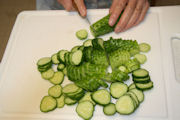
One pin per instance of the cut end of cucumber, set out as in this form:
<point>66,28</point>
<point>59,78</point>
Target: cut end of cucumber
<point>82,34</point>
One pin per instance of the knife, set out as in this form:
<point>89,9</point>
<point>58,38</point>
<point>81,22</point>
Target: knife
<point>86,18</point>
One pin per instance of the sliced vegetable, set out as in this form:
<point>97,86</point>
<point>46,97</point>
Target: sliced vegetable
<point>44,61</point>
<point>60,67</point>
<point>142,80</point>
<point>60,101</point>
<point>65,71</point>
<point>141,58</point>
<point>144,47</point>
<point>47,74</point>
<point>69,101</point>
<point>144,86</point>
<point>54,58</point>
<point>61,54</point>
<point>140,73</point>
<point>82,34</point>
<point>87,43</point>
<point>70,88</point>
<point>97,43</point>
<point>139,94</point>
<point>55,91</point>
<point>87,97</point>
<point>101,97</point>
<point>125,105</point>
<point>118,89</point>
<point>109,109</point>
<point>76,57</point>
<point>57,78</point>
<point>48,103</point>
<point>75,48</point>
<point>85,110</point>
<point>131,86</point>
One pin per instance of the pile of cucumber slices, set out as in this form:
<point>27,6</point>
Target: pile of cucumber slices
<point>127,97</point>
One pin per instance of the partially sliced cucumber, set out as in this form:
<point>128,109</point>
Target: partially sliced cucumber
<point>60,101</point>
<point>118,89</point>
<point>55,91</point>
<point>57,78</point>
<point>109,109</point>
<point>82,34</point>
<point>101,97</point>
<point>141,58</point>
<point>48,103</point>
<point>144,47</point>
<point>125,105</point>
<point>85,110</point>
<point>47,74</point>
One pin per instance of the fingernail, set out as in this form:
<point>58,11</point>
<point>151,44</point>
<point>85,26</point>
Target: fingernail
<point>111,22</point>
<point>118,29</point>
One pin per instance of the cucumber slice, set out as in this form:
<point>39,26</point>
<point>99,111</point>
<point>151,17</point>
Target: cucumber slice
<point>48,103</point>
<point>82,34</point>
<point>125,105</point>
<point>142,80</point>
<point>139,94</point>
<point>54,58</point>
<point>123,69</point>
<point>81,48</point>
<point>65,71</point>
<point>87,97</point>
<point>44,61</point>
<point>66,57</point>
<point>85,110</point>
<point>131,86</point>
<point>57,78</point>
<point>133,95</point>
<point>70,88</point>
<point>60,101</point>
<point>69,101</point>
<point>76,57</point>
<point>87,43</point>
<point>47,74</point>
<point>144,86</point>
<point>60,67</point>
<point>55,91</point>
<point>141,58</point>
<point>140,73</point>
<point>144,47</point>
<point>118,89</point>
<point>61,54</point>
<point>109,109</point>
<point>101,97</point>
<point>76,95</point>
<point>75,48</point>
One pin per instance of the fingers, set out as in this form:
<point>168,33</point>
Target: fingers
<point>143,13</point>
<point>136,14</point>
<point>67,4</point>
<point>126,16</point>
<point>118,7</point>
<point>114,3</point>
<point>81,7</point>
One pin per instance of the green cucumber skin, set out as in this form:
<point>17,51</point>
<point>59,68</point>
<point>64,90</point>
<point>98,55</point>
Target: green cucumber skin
<point>102,27</point>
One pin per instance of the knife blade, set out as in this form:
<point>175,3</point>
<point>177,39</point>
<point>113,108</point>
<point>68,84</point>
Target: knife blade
<point>85,18</point>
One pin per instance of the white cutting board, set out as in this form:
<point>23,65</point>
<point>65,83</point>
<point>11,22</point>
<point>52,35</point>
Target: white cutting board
<point>39,34</point>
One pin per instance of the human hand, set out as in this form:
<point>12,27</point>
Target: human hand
<point>71,5</point>
<point>134,13</point>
